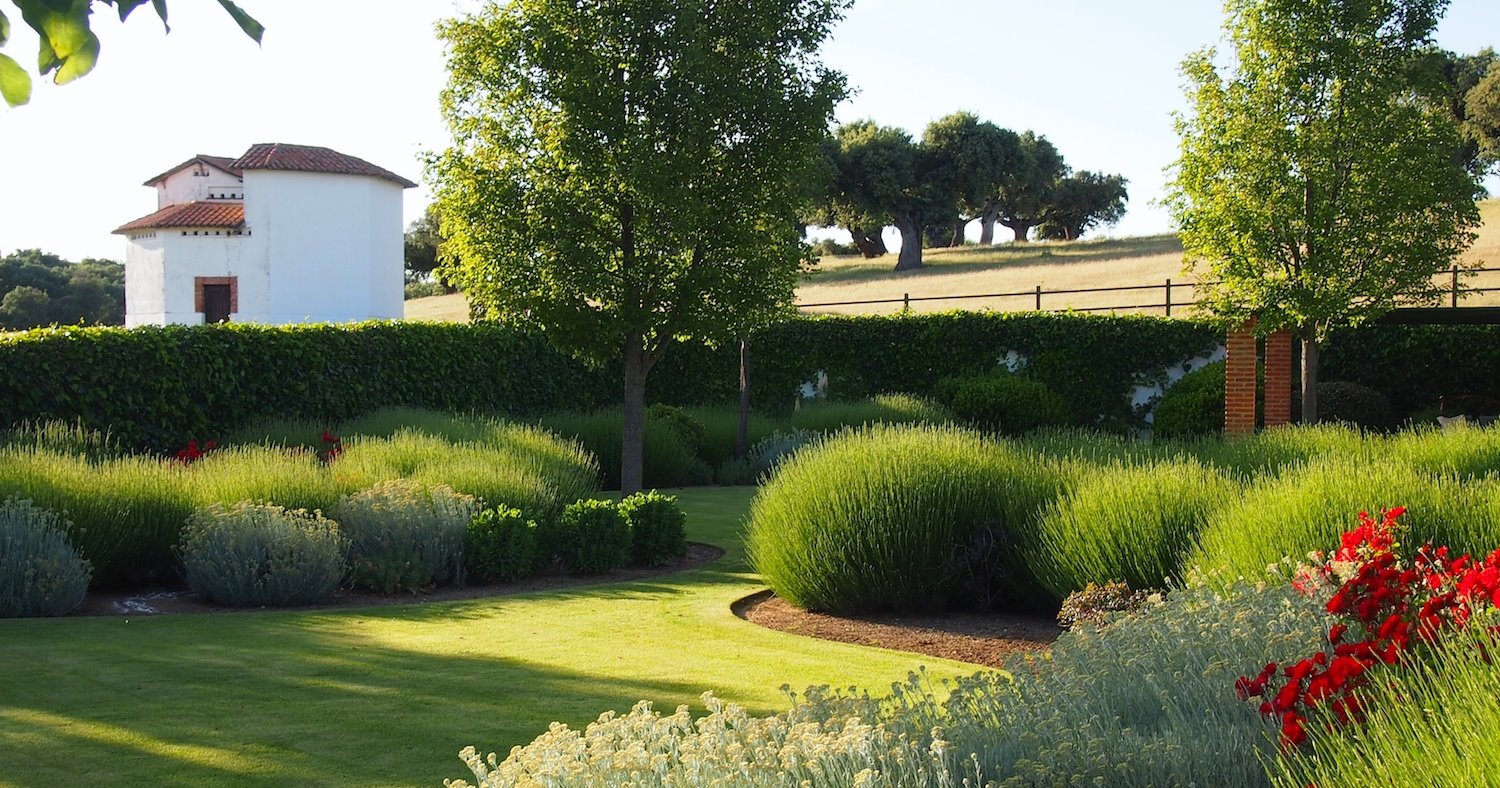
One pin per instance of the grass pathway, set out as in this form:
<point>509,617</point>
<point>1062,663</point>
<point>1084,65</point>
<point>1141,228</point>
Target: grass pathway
<point>387,696</point>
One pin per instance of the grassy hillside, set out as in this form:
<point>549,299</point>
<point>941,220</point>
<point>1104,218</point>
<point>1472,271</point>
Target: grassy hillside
<point>1012,268</point>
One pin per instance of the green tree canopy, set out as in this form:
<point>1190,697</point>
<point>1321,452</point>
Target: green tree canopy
<point>627,175</point>
<point>1021,203</point>
<point>827,206</point>
<point>54,290</point>
<point>1458,85</point>
<point>1316,182</point>
<point>68,48</point>
<point>422,241</point>
<point>1080,202</point>
<point>883,173</point>
<point>976,159</point>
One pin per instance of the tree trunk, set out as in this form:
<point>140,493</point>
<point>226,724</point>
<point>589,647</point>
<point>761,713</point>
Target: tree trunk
<point>987,226</point>
<point>742,436</point>
<point>958,232</point>
<point>1020,228</point>
<point>1309,374</point>
<point>911,244</point>
<point>633,441</point>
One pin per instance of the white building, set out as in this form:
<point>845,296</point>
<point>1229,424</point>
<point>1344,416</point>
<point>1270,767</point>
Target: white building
<point>283,234</point>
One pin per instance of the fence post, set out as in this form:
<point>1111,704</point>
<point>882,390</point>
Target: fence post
<point>1169,296</point>
<point>1038,298</point>
<point>1454,301</point>
<point>906,302</point>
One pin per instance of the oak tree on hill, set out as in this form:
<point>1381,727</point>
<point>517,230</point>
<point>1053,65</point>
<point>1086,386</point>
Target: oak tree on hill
<point>1022,200</point>
<point>975,158</point>
<point>1467,87</point>
<point>883,172</point>
<point>1316,182</point>
<point>627,175</point>
<point>1080,202</point>
<point>824,207</point>
<point>68,49</point>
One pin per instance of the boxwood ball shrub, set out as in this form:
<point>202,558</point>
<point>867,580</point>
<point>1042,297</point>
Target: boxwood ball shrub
<point>1130,523</point>
<point>871,519</point>
<point>404,536</point>
<point>658,528</point>
<point>1008,405</point>
<point>40,573</point>
<point>261,555</point>
<point>500,545</point>
<point>1193,407</point>
<point>593,538</point>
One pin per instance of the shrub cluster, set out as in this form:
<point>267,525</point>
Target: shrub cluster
<point>261,555</point>
<point>500,545</point>
<point>1005,404</point>
<point>40,573</point>
<point>658,528</point>
<point>404,536</point>
<point>594,538</point>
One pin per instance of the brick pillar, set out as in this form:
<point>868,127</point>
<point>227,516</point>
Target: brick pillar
<point>1239,381</point>
<point>1279,378</point>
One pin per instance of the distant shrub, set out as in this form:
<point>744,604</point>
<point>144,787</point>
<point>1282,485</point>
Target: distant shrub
<point>40,573</point>
<point>721,428</point>
<point>261,555</point>
<point>593,538</point>
<point>500,545</point>
<point>833,416</point>
<point>1094,603</point>
<point>869,519</point>
<point>1008,405</point>
<point>404,536</point>
<point>1355,404</point>
<point>1193,407</point>
<point>1131,523</point>
<point>658,528</point>
<point>424,289</point>
<point>681,422</point>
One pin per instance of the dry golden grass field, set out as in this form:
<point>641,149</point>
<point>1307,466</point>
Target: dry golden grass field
<point>1020,268</point>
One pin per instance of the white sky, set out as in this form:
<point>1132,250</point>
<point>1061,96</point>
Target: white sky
<point>1097,77</point>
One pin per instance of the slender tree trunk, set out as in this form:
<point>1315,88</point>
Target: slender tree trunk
<point>987,226</point>
<point>911,243</point>
<point>742,435</point>
<point>1309,374</point>
<point>633,448</point>
<point>958,232</point>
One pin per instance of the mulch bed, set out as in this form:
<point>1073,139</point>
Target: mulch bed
<point>981,638</point>
<point>174,601</point>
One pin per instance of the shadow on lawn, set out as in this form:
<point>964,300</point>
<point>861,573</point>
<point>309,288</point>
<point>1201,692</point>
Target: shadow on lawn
<point>288,703</point>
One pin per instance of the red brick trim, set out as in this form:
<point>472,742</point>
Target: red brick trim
<point>1239,380</point>
<point>1279,378</point>
<point>234,291</point>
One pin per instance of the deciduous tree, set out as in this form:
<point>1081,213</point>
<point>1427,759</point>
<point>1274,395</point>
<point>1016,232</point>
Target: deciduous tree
<point>1315,182</point>
<point>625,175</point>
<point>884,173</point>
<point>68,48</point>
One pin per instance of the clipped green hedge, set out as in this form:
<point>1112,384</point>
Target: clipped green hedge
<point>160,387</point>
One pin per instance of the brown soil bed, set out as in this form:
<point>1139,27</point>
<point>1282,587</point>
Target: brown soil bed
<point>150,603</point>
<point>980,638</point>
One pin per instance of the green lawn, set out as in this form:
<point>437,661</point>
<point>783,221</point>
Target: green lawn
<point>387,696</point>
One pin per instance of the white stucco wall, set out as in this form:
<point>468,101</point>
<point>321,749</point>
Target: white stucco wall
<point>333,246</point>
<point>160,273</point>
<point>183,186</point>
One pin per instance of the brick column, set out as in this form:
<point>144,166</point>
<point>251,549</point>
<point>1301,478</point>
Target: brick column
<point>1239,380</point>
<point>1279,378</point>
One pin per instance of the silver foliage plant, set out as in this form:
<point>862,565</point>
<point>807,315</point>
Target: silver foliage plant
<point>1147,702</point>
<point>261,555</point>
<point>40,573</point>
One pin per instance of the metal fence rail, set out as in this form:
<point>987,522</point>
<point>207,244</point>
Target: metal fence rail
<point>1456,292</point>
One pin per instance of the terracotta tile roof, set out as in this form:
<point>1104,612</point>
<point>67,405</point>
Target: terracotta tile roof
<point>310,158</point>
<point>224,163</point>
<point>190,214</point>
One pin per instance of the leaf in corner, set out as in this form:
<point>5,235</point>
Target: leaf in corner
<point>246,22</point>
<point>15,83</point>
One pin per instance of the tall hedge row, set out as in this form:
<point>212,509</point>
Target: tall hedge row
<point>160,387</point>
